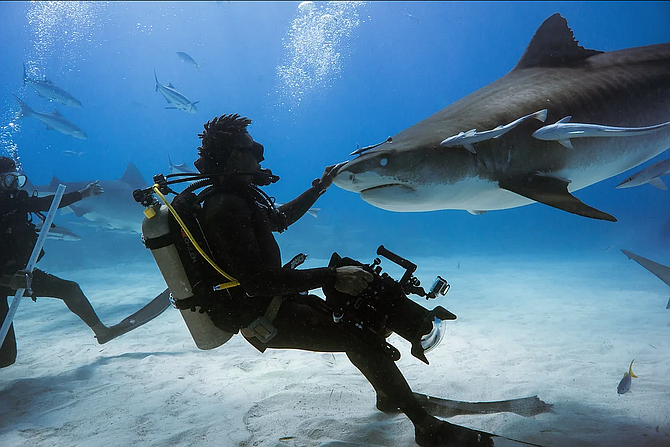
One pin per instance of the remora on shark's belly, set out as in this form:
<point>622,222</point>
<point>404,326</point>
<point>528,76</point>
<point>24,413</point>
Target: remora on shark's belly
<point>626,89</point>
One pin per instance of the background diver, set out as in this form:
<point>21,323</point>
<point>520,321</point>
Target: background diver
<point>17,239</point>
<point>237,221</point>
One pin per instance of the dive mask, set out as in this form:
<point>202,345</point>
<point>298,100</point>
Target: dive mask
<point>12,180</point>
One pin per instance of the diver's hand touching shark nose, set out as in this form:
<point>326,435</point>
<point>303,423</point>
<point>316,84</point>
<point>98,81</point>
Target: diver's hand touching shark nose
<point>328,175</point>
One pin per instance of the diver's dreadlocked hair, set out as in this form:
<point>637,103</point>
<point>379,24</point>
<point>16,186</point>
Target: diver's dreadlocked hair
<point>221,133</point>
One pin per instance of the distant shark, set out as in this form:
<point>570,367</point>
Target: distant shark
<point>174,98</point>
<point>651,175</point>
<point>48,90</point>
<point>606,112</point>
<point>115,209</point>
<point>661,271</point>
<point>54,121</point>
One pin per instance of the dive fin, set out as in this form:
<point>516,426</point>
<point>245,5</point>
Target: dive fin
<point>525,406</point>
<point>153,309</point>
<point>551,191</point>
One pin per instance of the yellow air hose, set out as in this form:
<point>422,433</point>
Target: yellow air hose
<point>232,282</point>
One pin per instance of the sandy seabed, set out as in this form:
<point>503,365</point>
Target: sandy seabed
<point>562,329</point>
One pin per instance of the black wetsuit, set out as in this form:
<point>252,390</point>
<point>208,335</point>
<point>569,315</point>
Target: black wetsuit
<point>238,229</point>
<point>17,239</point>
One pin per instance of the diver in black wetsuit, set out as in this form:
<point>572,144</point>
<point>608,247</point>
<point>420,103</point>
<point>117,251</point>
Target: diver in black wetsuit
<point>17,239</point>
<point>238,221</point>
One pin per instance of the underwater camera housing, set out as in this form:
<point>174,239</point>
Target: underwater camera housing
<point>384,307</point>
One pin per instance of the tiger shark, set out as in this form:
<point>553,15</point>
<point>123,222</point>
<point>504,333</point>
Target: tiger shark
<point>605,113</point>
<point>114,210</point>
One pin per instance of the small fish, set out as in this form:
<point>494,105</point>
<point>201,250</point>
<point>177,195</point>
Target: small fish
<point>624,385</point>
<point>467,139</point>
<point>174,98</point>
<point>651,175</point>
<point>410,16</point>
<point>69,152</point>
<point>562,131</point>
<point>188,59</point>
<point>53,121</point>
<point>48,90</point>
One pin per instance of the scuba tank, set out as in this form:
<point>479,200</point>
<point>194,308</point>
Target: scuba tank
<point>185,266</point>
<point>158,238</point>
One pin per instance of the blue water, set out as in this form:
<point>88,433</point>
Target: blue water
<point>315,88</point>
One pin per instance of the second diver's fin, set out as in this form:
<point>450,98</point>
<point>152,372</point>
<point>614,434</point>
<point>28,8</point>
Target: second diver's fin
<point>551,191</point>
<point>525,406</point>
<point>153,309</point>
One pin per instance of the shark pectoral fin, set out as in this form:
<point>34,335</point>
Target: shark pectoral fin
<point>170,107</point>
<point>657,182</point>
<point>477,212</point>
<point>79,211</point>
<point>551,191</point>
<point>566,143</point>
<point>470,148</point>
<point>668,306</point>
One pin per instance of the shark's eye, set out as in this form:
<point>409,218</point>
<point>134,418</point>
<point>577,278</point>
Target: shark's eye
<point>383,161</point>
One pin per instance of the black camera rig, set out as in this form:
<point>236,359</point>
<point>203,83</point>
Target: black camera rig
<point>384,307</point>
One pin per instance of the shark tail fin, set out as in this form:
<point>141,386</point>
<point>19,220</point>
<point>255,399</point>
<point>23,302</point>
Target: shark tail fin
<point>25,109</point>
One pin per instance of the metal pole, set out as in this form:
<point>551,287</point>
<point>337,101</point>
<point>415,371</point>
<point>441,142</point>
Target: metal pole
<point>33,260</point>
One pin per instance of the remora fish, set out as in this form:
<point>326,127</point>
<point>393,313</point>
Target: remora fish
<point>651,175</point>
<point>174,98</point>
<point>114,210</point>
<point>625,383</point>
<point>563,130</point>
<point>412,172</point>
<point>53,121</point>
<point>661,271</point>
<point>467,139</point>
<point>59,233</point>
<point>48,90</point>
<point>188,59</point>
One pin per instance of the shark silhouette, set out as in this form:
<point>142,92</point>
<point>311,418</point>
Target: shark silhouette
<point>563,119</point>
<point>115,209</point>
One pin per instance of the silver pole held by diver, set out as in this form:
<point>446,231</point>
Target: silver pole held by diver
<point>32,261</point>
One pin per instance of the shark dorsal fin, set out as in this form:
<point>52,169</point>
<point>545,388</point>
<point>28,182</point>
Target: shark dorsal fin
<point>553,45</point>
<point>56,113</point>
<point>53,184</point>
<point>133,177</point>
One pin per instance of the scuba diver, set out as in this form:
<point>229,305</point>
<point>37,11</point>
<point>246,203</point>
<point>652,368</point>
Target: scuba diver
<point>267,302</point>
<point>17,238</point>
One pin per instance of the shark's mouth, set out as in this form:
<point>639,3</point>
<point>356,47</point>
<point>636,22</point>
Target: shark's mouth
<point>380,188</point>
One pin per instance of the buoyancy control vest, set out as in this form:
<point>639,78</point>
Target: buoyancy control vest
<point>18,233</point>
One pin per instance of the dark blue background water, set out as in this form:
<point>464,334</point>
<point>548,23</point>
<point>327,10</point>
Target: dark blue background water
<point>398,63</point>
